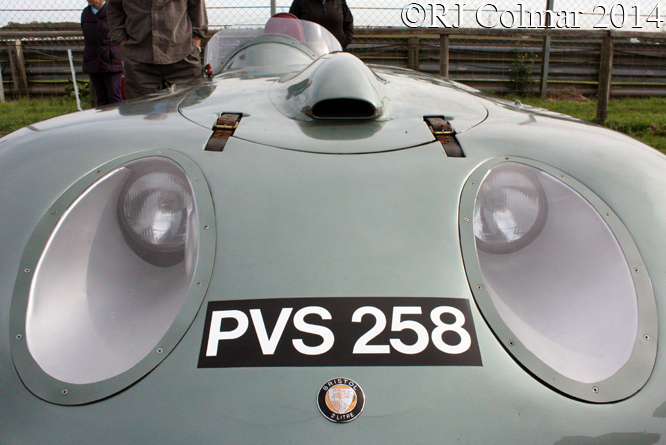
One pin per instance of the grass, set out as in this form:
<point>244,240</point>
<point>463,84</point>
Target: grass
<point>640,118</point>
<point>17,114</point>
<point>643,119</point>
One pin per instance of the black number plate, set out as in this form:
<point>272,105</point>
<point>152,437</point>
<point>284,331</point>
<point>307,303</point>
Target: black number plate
<point>339,331</point>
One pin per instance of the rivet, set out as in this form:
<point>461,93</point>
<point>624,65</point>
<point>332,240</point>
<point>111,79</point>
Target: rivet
<point>160,350</point>
<point>506,159</point>
<point>637,270</point>
<point>64,392</point>
<point>199,284</point>
<point>646,337</point>
<point>206,227</point>
<point>466,219</point>
<point>471,183</point>
<point>608,215</point>
<point>595,390</point>
<point>99,171</point>
<point>159,152</point>
<point>511,343</point>
<point>26,270</point>
<point>478,286</point>
<point>197,179</point>
<point>54,212</point>
<point>19,336</point>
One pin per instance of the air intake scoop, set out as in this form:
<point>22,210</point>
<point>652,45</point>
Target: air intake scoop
<point>336,86</point>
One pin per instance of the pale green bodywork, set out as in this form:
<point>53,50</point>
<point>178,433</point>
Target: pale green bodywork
<point>308,209</point>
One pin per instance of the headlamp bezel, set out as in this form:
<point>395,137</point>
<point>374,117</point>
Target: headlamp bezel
<point>634,374</point>
<point>58,392</point>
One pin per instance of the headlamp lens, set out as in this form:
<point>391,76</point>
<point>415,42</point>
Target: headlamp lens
<point>510,209</point>
<point>153,211</point>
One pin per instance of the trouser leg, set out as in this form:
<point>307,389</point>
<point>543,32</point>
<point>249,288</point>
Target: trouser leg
<point>113,82</point>
<point>183,71</point>
<point>97,81</point>
<point>141,78</point>
<point>144,78</point>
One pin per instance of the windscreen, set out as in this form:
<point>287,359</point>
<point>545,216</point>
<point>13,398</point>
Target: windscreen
<point>226,42</point>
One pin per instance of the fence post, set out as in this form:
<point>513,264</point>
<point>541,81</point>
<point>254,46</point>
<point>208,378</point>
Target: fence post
<point>273,7</point>
<point>605,72</point>
<point>444,55</point>
<point>76,85</point>
<point>413,52</point>
<point>2,86</point>
<point>546,52</point>
<point>17,64</point>
<point>545,66</point>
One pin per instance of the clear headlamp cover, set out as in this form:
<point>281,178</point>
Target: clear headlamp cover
<point>115,273</point>
<point>555,272</point>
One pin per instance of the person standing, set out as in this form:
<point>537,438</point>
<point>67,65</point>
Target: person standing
<point>334,15</point>
<point>160,41</point>
<point>101,57</point>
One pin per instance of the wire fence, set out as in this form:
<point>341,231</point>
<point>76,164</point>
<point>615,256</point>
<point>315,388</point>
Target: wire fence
<point>504,63</point>
<point>634,15</point>
<point>500,59</point>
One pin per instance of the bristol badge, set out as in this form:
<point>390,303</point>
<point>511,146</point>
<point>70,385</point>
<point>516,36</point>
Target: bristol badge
<point>341,400</point>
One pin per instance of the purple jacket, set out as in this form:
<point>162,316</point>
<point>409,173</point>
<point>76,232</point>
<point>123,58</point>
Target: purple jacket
<point>100,55</point>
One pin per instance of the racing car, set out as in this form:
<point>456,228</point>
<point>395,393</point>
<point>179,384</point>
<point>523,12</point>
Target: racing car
<point>303,248</point>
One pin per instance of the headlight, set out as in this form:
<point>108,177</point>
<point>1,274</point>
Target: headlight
<point>113,288</point>
<point>559,279</point>
<point>510,210</point>
<point>154,209</point>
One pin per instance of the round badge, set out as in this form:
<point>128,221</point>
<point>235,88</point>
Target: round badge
<point>341,400</point>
